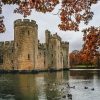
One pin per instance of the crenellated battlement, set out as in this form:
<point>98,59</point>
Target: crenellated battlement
<point>42,46</point>
<point>53,36</point>
<point>25,22</point>
<point>47,31</point>
<point>65,44</point>
<point>56,36</point>
<point>1,44</point>
<point>6,44</point>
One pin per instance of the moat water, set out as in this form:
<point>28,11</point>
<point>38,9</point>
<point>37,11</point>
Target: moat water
<point>82,85</point>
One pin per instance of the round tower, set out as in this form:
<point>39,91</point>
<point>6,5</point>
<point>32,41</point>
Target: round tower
<point>26,44</point>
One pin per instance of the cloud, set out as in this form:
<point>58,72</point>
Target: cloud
<point>50,22</point>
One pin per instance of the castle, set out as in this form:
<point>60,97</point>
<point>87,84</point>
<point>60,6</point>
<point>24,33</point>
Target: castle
<point>26,53</point>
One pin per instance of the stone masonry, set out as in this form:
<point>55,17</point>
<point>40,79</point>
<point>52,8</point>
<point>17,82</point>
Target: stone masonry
<point>27,53</point>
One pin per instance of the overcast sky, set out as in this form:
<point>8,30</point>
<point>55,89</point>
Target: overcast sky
<point>50,22</point>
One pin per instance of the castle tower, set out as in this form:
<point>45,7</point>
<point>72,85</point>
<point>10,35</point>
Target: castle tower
<point>26,44</point>
<point>53,44</point>
<point>65,52</point>
<point>47,36</point>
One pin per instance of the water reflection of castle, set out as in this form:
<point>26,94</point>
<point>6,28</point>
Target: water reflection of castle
<point>26,53</point>
<point>37,87</point>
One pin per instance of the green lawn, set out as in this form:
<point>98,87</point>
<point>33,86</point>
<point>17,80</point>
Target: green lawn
<point>84,66</point>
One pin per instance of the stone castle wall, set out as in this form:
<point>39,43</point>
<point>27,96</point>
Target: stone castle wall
<point>26,44</point>
<point>7,55</point>
<point>65,52</point>
<point>57,51</point>
<point>26,53</point>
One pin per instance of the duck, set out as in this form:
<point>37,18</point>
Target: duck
<point>73,87</point>
<point>92,89</point>
<point>85,87</point>
<point>70,86</point>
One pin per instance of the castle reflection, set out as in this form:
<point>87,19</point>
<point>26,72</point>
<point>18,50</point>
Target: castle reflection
<point>44,86</point>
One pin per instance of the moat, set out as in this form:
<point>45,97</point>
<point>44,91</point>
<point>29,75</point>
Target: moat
<point>81,84</point>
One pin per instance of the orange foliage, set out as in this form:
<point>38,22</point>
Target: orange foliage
<point>91,47</point>
<point>74,58</point>
<point>75,11</point>
<point>90,53</point>
<point>72,12</point>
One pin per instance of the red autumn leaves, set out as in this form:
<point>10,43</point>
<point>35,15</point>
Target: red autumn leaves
<point>72,12</point>
<point>75,11</point>
<point>90,51</point>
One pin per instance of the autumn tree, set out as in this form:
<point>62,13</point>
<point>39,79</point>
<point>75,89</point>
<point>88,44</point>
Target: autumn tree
<point>91,47</point>
<point>72,12</point>
<point>74,57</point>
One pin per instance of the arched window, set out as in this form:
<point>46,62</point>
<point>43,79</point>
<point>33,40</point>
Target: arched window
<point>12,50</point>
<point>11,61</point>
<point>44,62</point>
<point>28,56</point>
<point>28,32</point>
